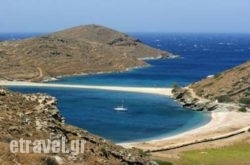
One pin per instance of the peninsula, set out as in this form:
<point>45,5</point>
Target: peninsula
<point>78,50</point>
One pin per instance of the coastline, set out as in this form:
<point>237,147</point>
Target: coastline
<point>158,91</point>
<point>179,131</point>
<point>170,56</point>
<point>225,122</point>
<point>51,79</point>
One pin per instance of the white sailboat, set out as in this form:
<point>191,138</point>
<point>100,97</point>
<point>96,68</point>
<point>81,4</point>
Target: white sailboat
<point>120,108</point>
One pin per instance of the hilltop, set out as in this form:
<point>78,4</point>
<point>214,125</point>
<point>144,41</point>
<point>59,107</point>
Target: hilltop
<point>36,117</point>
<point>82,49</point>
<point>122,42</point>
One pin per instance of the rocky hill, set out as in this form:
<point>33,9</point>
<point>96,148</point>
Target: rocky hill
<point>231,86</point>
<point>123,43</point>
<point>83,49</point>
<point>36,117</point>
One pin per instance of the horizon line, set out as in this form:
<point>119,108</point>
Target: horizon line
<point>131,32</point>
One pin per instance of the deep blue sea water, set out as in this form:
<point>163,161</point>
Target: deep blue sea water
<point>200,55</point>
<point>149,116</point>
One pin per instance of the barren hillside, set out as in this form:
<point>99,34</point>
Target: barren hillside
<point>83,49</point>
<point>231,85</point>
<point>36,117</point>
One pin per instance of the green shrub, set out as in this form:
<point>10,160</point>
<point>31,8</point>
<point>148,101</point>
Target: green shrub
<point>163,162</point>
<point>224,98</point>
<point>218,76</point>
<point>143,153</point>
<point>208,84</point>
<point>175,86</point>
<point>49,161</point>
<point>245,100</point>
<point>105,152</point>
<point>242,68</point>
<point>200,92</point>
<point>247,93</point>
<point>243,109</point>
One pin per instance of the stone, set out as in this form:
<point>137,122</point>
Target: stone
<point>14,128</point>
<point>3,92</point>
<point>211,106</point>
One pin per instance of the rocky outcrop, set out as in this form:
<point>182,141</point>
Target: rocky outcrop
<point>184,97</point>
<point>36,117</point>
<point>227,89</point>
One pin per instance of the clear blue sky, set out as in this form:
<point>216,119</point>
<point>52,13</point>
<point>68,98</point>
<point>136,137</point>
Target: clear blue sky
<point>126,15</point>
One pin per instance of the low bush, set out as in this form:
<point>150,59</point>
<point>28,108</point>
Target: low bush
<point>50,161</point>
<point>164,162</point>
<point>208,84</point>
<point>245,100</point>
<point>217,76</point>
<point>243,109</point>
<point>175,86</point>
<point>224,98</point>
<point>143,153</point>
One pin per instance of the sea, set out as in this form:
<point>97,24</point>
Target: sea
<point>149,116</point>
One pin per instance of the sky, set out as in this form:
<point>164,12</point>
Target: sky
<point>220,16</point>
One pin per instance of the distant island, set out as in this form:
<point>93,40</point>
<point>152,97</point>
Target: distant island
<point>78,50</point>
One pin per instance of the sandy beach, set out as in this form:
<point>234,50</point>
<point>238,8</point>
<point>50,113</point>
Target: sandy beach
<point>223,124</point>
<point>148,90</point>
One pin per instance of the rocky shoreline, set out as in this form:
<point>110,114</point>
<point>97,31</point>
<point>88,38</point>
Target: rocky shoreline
<point>227,122</point>
<point>187,100</point>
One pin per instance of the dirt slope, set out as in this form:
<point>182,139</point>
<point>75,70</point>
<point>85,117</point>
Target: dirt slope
<point>83,49</point>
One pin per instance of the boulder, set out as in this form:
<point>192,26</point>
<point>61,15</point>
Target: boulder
<point>3,92</point>
<point>211,106</point>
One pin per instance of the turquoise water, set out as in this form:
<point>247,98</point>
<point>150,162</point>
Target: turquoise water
<point>149,116</point>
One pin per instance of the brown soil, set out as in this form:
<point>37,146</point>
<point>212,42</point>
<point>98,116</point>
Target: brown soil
<point>229,86</point>
<point>36,117</point>
<point>83,49</point>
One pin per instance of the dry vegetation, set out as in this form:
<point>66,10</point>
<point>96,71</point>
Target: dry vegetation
<point>35,117</point>
<point>230,86</point>
<point>83,49</point>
